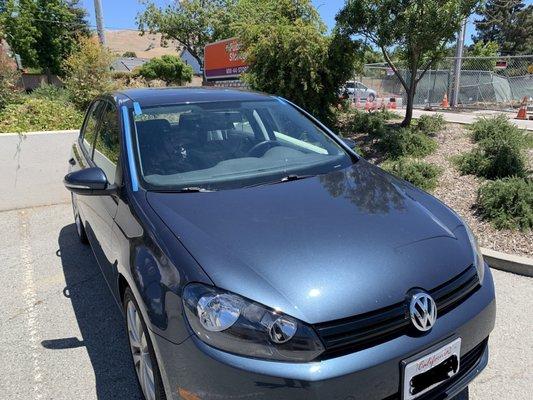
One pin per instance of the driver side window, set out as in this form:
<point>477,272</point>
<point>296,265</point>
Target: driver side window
<point>106,151</point>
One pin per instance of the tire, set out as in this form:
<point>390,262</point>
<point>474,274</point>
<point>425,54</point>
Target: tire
<point>371,97</point>
<point>142,352</point>
<point>80,229</point>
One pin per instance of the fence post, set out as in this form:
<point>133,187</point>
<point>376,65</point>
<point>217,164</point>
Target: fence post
<point>458,64</point>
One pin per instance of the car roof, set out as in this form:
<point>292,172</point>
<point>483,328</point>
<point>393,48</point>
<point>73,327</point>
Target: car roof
<point>162,96</point>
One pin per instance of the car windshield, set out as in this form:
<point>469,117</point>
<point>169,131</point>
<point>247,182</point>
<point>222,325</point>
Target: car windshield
<point>226,145</point>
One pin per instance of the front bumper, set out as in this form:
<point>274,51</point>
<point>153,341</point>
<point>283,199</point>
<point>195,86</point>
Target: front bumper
<point>194,371</point>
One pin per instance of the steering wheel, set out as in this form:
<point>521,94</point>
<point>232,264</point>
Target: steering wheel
<point>261,148</point>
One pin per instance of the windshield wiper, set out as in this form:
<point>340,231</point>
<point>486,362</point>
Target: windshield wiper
<point>287,178</point>
<point>194,189</point>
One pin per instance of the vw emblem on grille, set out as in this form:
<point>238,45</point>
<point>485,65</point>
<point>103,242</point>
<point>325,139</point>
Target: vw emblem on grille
<point>423,311</point>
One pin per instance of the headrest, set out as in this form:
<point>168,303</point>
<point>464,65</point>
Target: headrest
<point>153,126</point>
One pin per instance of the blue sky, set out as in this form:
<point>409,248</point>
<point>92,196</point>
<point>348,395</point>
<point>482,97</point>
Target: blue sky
<point>120,14</point>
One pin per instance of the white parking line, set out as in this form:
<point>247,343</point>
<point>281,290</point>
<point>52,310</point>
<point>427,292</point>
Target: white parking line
<point>30,299</point>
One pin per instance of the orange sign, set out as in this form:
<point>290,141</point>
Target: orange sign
<point>224,60</point>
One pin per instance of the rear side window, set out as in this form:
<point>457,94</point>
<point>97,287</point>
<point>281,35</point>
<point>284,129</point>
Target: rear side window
<point>89,129</point>
<point>106,153</point>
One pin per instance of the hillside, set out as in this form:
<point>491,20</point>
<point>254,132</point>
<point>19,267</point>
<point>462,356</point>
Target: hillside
<point>147,46</point>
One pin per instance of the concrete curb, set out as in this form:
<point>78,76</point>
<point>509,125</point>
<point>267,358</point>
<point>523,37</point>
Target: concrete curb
<point>509,263</point>
<point>38,133</point>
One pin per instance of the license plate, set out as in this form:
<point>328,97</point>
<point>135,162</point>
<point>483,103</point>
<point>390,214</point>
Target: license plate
<point>429,371</point>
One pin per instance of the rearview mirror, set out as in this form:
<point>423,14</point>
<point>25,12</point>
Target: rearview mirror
<point>89,182</point>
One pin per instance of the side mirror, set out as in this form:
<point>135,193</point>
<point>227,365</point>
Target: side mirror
<point>349,142</point>
<point>89,182</point>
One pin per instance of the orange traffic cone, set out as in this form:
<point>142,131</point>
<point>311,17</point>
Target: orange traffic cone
<point>368,105</point>
<point>392,104</point>
<point>445,103</point>
<point>522,111</point>
<point>358,103</point>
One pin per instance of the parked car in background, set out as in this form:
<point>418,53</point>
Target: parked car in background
<point>255,255</point>
<point>356,90</point>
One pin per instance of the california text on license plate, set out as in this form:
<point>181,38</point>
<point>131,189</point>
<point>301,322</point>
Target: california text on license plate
<point>429,371</point>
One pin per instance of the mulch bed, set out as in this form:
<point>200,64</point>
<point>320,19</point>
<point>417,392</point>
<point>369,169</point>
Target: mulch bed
<point>460,191</point>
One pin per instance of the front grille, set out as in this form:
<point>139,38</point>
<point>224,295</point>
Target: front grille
<point>365,330</point>
<point>468,362</point>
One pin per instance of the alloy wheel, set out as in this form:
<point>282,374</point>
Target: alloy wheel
<point>139,350</point>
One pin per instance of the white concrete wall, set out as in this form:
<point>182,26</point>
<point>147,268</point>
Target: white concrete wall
<point>32,167</point>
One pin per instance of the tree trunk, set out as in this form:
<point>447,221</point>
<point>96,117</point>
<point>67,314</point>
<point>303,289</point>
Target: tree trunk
<point>410,99</point>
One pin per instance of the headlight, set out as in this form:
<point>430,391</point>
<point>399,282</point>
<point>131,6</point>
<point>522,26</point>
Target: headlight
<point>478,257</point>
<point>234,324</point>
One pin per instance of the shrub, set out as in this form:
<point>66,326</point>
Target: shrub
<point>39,114</point>
<point>507,203</point>
<point>355,121</point>
<point>419,173</point>
<point>168,68</point>
<point>9,77</point>
<point>130,54</point>
<point>500,154</point>
<point>88,72</point>
<point>406,142</point>
<point>485,128</point>
<point>430,124</point>
<point>51,92</point>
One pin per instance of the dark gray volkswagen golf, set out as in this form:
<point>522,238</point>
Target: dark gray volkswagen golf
<point>255,255</point>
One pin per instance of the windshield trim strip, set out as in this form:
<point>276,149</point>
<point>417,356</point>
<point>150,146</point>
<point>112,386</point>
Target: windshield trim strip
<point>129,149</point>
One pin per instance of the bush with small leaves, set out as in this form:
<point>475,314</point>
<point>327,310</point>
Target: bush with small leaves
<point>9,76</point>
<point>40,114</point>
<point>500,154</point>
<point>88,72</point>
<point>50,92</point>
<point>430,124</point>
<point>169,68</point>
<point>420,173</point>
<point>507,203</point>
<point>488,127</point>
<point>355,121</point>
<point>406,142</point>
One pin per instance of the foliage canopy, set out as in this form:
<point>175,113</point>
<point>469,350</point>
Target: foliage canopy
<point>191,23</point>
<point>168,68</point>
<point>43,32</point>
<point>290,55</point>
<point>417,30</point>
<point>88,72</point>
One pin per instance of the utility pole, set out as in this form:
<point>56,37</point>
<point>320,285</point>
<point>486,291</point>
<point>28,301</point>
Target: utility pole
<point>458,63</point>
<point>99,21</point>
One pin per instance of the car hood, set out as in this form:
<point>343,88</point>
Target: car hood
<point>321,248</point>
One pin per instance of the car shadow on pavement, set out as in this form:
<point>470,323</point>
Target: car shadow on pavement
<point>99,319</point>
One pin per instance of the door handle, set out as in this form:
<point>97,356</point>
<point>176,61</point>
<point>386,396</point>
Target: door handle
<point>72,161</point>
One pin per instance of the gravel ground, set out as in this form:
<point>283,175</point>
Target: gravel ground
<point>460,191</point>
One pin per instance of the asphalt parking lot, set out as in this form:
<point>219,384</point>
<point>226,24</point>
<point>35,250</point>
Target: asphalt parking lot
<point>62,334</point>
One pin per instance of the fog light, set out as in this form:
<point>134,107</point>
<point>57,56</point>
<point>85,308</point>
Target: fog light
<point>282,330</point>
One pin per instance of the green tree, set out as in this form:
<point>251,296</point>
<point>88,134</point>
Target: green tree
<point>88,72</point>
<point>168,68</point>
<point>290,55</point>
<point>508,23</point>
<point>481,49</point>
<point>417,30</point>
<point>130,54</point>
<point>191,23</point>
<point>43,32</point>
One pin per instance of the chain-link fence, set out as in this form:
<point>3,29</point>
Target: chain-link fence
<point>498,83</point>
